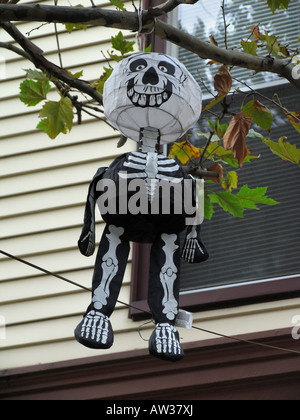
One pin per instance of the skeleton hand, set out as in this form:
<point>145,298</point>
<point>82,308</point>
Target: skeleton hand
<point>95,331</point>
<point>193,250</point>
<point>164,343</point>
<point>86,243</point>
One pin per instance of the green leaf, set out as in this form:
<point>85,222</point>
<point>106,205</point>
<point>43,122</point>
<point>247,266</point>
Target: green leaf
<point>276,4</point>
<point>249,47</point>
<point>294,121</point>
<point>246,198</point>
<point>184,152</point>
<point>208,207</point>
<point>225,156</point>
<point>249,197</point>
<point>118,4</point>
<point>35,74</point>
<point>273,46</point>
<point>219,129</point>
<point>32,93</point>
<point>103,78</point>
<point>260,114</point>
<point>57,117</point>
<point>71,26</point>
<point>284,149</point>
<point>231,181</point>
<point>119,43</point>
<point>228,202</point>
<point>214,102</point>
<point>76,75</point>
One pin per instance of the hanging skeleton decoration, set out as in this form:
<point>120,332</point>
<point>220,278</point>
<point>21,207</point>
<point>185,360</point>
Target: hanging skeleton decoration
<point>152,99</point>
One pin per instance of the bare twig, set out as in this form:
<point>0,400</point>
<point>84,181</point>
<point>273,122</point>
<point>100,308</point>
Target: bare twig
<point>225,24</point>
<point>286,111</point>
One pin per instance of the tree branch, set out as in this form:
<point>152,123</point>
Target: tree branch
<point>34,54</point>
<point>129,21</point>
<point>15,49</point>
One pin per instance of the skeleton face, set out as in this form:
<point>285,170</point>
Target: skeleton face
<point>151,82</point>
<point>152,90</point>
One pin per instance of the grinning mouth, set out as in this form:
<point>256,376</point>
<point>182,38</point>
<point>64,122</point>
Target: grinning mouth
<point>152,96</point>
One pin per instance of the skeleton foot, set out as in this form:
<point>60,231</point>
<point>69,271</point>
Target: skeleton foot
<point>95,331</point>
<point>164,343</point>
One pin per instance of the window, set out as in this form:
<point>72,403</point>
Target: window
<point>254,258</point>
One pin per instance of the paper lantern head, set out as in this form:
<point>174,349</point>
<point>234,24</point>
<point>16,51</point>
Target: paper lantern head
<point>152,90</point>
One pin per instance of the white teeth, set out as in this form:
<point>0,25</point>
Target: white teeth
<point>142,100</point>
<point>159,99</point>
<point>152,101</point>
<point>135,97</point>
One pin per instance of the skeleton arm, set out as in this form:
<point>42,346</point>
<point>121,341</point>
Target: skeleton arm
<point>193,250</point>
<point>86,242</point>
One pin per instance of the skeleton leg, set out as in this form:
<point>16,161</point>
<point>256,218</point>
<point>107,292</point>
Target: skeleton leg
<point>163,297</point>
<point>164,278</point>
<point>109,268</point>
<point>95,329</point>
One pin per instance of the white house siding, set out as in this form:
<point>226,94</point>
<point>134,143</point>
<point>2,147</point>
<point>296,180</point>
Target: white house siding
<point>43,187</point>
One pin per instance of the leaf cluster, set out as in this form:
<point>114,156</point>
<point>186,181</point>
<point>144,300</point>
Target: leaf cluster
<point>226,144</point>
<point>56,116</point>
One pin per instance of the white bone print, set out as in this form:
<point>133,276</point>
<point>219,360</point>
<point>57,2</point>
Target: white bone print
<point>168,276</point>
<point>152,167</point>
<point>109,266</point>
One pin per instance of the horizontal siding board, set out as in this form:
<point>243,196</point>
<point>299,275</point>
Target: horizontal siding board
<point>51,307</point>
<point>43,188</point>
<point>44,242</point>
<point>23,142</point>
<point>41,201</point>
<point>100,152</point>
<point>59,262</point>
<point>65,349</point>
<point>62,345</point>
<point>44,285</point>
<point>41,221</point>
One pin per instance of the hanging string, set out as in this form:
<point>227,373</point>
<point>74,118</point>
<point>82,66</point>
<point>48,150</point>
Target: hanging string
<point>230,337</point>
<point>140,35</point>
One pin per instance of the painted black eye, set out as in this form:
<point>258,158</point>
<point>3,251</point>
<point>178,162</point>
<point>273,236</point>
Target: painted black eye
<point>138,65</point>
<point>166,67</point>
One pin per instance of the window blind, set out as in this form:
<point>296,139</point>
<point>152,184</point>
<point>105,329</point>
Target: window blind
<point>265,244</point>
<point>205,18</point>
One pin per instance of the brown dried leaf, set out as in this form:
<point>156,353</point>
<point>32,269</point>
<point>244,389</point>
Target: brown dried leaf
<point>216,167</point>
<point>223,81</point>
<point>256,31</point>
<point>235,137</point>
<point>212,40</point>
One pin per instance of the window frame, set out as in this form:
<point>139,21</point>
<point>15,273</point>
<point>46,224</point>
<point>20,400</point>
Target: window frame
<point>216,297</point>
<point>210,298</point>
